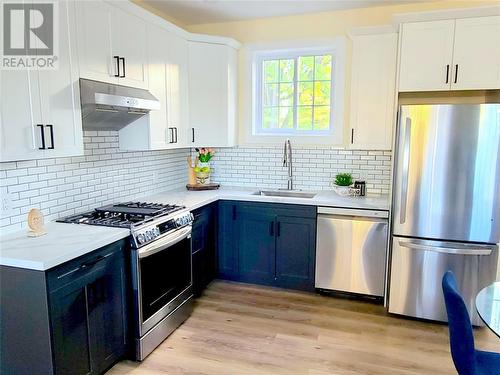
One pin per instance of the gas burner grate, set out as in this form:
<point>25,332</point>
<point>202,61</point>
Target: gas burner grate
<point>123,215</point>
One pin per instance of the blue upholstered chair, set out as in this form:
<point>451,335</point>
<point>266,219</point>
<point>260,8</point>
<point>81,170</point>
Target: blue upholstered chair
<point>467,360</point>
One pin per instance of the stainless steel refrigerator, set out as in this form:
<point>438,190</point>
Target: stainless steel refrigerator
<point>446,205</point>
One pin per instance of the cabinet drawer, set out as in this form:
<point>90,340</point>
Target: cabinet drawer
<point>78,267</point>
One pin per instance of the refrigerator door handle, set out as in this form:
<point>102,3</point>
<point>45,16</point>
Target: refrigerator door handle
<point>406,167</point>
<point>455,250</point>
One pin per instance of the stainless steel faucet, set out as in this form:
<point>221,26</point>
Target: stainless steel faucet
<point>287,162</point>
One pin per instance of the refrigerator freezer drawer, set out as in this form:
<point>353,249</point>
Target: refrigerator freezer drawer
<point>351,254</point>
<point>417,267</point>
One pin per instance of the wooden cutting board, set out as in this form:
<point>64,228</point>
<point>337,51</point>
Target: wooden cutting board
<point>198,187</point>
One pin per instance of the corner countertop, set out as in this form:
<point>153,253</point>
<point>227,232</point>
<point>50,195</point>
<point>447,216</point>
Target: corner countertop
<point>64,242</point>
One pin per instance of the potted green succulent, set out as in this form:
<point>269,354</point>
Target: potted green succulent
<point>342,184</point>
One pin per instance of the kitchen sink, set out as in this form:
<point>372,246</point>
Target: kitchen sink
<point>285,193</point>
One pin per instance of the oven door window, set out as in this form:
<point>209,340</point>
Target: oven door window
<point>164,275</point>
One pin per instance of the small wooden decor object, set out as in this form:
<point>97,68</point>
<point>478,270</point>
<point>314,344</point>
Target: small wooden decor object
<point>35,223</point>
<point>197,187</point>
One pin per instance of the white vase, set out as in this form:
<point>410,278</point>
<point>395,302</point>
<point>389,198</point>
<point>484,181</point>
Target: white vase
<point>203,178</point>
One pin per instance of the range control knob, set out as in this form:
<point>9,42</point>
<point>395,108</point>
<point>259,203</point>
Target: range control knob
<point>141,239</point>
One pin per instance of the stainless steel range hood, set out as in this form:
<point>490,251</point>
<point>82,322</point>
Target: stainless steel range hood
<point>106,106</point>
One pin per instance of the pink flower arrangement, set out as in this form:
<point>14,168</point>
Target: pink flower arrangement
<point>205,154</point>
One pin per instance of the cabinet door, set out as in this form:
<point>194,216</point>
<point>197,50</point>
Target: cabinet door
<point>177,65</point>
<point>426,55</point>
<point>476,57</point>
<point>227,258</point>
<point>200,241</point>
<point>295,252</point>
<point>70,334</point>
<point>94,41</point>
<point>20,137</point>
<point>129,40</point>
<point>160,132</point>
<point>256,245</point>
<point>106,295</point>
<point>212,93</point>
<point>60,95</point>
<point>372,91</point>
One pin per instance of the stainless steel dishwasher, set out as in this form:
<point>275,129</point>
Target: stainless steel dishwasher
<point>351,250</point>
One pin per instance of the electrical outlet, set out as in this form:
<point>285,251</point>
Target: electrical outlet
<point>5,201</point>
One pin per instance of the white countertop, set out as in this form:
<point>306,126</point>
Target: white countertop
<point>64,242</point>
<point>196,199</point>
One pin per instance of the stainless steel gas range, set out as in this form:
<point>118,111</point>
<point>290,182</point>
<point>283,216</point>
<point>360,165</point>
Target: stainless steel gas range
<point>160,237</point>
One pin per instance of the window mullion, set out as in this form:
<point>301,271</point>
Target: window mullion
<point>296,94</point>
<point>314,92</point>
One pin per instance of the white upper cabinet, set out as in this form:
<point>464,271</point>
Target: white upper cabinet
<point>426,56</point>
<point>128,42</point>
<point>212,94</point>
<point>111,44</point>
<point>60,95</point>
<point>476,57</point>
<point>40,109</point>
<point>19,135</point>
<point>462,54</point>
<point>177,69</point>
<point>94,41</point>
<point>373,88</point>
<point>168,82</point>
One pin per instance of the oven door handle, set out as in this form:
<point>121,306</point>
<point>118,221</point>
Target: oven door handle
<point>165,242</point>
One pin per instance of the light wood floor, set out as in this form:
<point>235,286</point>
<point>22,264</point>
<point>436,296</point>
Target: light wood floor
<point>246,329</point>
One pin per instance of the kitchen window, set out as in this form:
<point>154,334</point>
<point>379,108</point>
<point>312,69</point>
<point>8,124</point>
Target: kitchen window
<point>294,93</point>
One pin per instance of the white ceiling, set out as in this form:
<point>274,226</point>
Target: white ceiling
<point>191,12</point>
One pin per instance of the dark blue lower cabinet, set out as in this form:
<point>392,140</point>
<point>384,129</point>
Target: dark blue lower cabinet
<point>88,316</point>
<point>227,241</point>
<point>269,244</point>
<point>204,246</point>
<point>70,329</point>
<point>256,239</point>
<point>78,310</point>
<point>295,252</point>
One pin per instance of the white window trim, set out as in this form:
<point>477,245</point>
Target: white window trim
<point>255,54</point>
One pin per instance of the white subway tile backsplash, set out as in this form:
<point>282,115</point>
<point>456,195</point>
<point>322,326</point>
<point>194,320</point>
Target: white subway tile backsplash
<point>63,186</point>
<point>314,167</point>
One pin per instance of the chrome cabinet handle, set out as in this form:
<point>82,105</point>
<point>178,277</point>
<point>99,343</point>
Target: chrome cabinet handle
<point>406,166</point>
<point>455,250</point>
